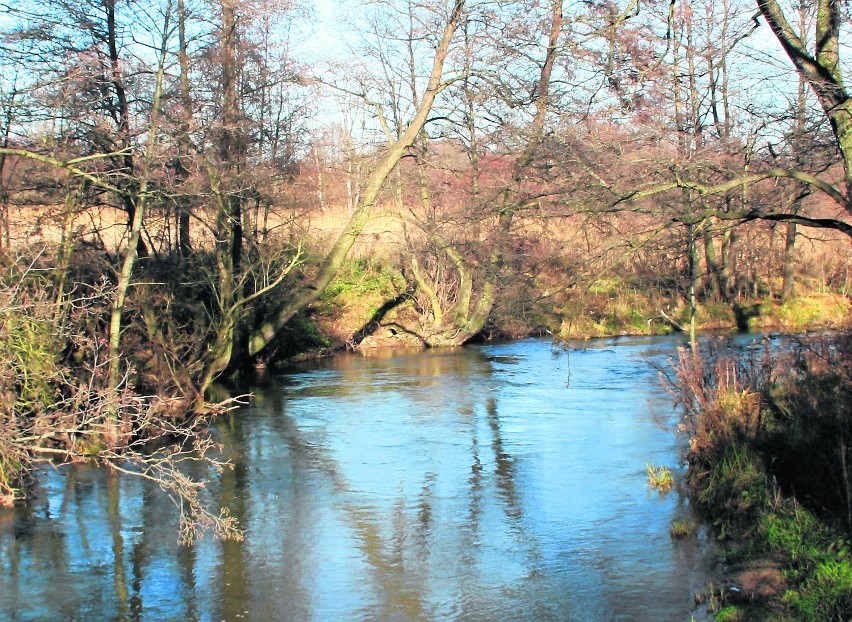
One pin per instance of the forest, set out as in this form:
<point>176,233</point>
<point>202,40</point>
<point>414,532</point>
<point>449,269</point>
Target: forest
<point>191,190</point>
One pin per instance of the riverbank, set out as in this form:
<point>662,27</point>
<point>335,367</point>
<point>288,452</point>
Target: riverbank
<point>769,466</point>
<point>368,307</point>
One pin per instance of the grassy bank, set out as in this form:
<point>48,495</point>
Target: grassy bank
<point>771,467</point>
<point>373,298</point>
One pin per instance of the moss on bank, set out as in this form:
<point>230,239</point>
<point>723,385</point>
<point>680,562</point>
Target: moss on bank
<point>358,300</point>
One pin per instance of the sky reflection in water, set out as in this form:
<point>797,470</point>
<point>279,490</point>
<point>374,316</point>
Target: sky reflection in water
<point>503,482</point>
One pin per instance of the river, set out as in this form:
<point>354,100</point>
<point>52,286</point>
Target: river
<point>497,482</point>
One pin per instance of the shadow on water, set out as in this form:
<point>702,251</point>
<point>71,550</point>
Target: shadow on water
<point>473,484</point>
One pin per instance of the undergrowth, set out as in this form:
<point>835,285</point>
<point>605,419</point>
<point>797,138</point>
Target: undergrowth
<point>57,406</point>
<point>769,463</point>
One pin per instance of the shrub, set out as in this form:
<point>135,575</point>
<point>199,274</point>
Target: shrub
<point>769,460</point>
<point>812,417</point>
<point>56,405</point>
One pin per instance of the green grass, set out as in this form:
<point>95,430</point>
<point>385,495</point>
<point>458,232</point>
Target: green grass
<point>803,312</point>
<point>733,488</point>
<point>683,528</point>
<point>660,478</point>
<point>730,613</point>
<point>360,277</point>
<point>818,565</point>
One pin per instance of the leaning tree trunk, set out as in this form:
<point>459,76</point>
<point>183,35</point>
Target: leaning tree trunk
<point>263,335</point>
<point>822,71</point>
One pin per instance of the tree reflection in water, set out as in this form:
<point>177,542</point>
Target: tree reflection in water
<point>473,484</point>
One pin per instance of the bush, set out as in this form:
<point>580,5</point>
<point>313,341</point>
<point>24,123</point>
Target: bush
<point>812,416</point>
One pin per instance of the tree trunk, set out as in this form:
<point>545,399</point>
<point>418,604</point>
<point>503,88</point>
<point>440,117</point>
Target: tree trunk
<point>726,269</point>
<point>822,70</point>
<point>713,282</point>
<point>124,277</point>
<point>693,283</point>
<point>122,114</point>
<point>184,147</point>
<point>263,335</point>
<point>788,289</point>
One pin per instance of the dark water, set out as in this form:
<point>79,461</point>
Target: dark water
<point>504,482</point>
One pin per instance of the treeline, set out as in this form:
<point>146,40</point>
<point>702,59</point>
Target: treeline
<point>182,181</point>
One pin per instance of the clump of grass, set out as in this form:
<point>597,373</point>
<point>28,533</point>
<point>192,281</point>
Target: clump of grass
<point>730,484</point>
<point>683,528</point>
<point>730,613</point>
<point>660,478</point>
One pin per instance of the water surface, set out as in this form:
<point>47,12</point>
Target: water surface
<point>499,482</point>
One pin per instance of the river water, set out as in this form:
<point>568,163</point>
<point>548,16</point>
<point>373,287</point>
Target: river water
<point>497,482</point>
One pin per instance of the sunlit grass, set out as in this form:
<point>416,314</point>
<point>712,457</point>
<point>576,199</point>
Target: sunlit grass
<point>660,478</point>
<point>683,528</point>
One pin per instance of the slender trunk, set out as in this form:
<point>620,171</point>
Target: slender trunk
<point>693,283</point>
<point>677,96</point>
<point>320,193</point>
<point>350,190</point>
<point>5,239</point>
<point>713,282</point>
<point>694,99</point>
<point>131,254</point>
<point>726,264</point>
<point>232,144</point>
<point>122,113</point>
<point>65,248</point>
<point>788,289</point>
<point>184,147</point>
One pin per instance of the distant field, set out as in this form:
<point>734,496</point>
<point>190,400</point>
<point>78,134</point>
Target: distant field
<point>822,255</point>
